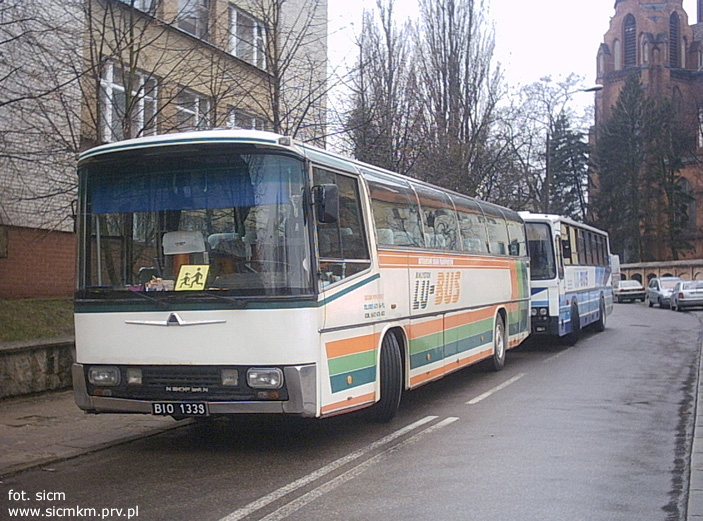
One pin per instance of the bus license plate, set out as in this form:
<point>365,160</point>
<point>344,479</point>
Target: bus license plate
<point>180,408</point>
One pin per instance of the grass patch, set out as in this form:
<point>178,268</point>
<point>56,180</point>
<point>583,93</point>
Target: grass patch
<point>35,318</point>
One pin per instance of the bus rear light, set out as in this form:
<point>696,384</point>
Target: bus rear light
<point>265,378</point>
<point>134,376</point>
<point>104,376</point>
<point>229,377</point>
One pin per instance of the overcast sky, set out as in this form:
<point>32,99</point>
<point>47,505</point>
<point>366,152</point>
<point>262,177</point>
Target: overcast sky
<point>534,38</point>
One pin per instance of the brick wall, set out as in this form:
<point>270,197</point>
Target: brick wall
<point>37,263</point>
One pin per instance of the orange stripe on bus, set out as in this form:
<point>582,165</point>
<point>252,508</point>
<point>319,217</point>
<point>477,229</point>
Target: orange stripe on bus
<point>350,346</point>
<point>420,329</point>
<point>430,327</point>
<point>450,367</point>
<point>470,317</point>
<point>346,404</point>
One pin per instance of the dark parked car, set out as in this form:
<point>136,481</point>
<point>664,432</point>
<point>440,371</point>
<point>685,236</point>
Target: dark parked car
<point>659,290</point>
<point>687,294</point>
<point>628,291</point>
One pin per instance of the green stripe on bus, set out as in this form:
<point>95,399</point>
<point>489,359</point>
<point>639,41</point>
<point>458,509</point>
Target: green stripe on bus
<point>344,364</point>
<point>360,377</point>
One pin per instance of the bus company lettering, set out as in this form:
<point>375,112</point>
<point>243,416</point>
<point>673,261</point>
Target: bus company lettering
<point>185,389</point>
<point>446,289</point>
<point>435,261</point>
<point>375,309</point>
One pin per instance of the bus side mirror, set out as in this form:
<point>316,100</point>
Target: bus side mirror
<point>326,201</point>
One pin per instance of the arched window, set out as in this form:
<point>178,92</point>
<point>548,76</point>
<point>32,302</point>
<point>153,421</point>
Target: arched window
<point>645,50</point>
<point>674,39</point>
<point>630,37</point>
<point>617,54</point>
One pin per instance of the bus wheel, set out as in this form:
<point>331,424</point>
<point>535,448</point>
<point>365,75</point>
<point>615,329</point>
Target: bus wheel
<point>573,337</point>
<point>391,374</point>
<point>600,324</point>
<point>498,360</point>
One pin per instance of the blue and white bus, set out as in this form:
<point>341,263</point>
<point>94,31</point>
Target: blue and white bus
<point>571,276</point>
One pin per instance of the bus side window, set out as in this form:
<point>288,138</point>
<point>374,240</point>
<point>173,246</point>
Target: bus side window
<point>438,218</point>
<point>516,234</point>
<point>342,245</point>
<point>497,229</point>
<point>472,225</point>
<point>395,211</point>
<point>566,246</point>
<point>560,255</point>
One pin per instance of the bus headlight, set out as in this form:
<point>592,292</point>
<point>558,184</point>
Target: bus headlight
<point>229,377</point>
<point>134,376</point>
<point>106,376</point>
<point>543,312</point>
<point>265,378</point>
<point>533,312</point>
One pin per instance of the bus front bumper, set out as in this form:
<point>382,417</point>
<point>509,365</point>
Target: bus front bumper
<point>301,383</point>
<point>545,325</point>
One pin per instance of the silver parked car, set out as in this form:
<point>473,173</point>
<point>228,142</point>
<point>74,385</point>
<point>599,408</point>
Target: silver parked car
<point>628,291</point>
<point>687,294</point>
<point>659,290</point>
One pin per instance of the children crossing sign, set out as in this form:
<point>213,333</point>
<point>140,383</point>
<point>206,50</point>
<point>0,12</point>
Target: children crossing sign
<point>192,277</point>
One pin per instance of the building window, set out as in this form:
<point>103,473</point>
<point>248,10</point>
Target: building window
<point>194,17</point>
<point>247,38</point>
<point>630,38</point>
<point>125,116</point>
<point>243,120</point>
<point>148,6</point>
<point>192,111</point>
<point>674,38</point>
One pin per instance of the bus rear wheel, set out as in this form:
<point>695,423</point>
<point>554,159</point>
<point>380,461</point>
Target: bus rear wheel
<point>600,323</point>
<point>391,375</point>
<point>498,359</point>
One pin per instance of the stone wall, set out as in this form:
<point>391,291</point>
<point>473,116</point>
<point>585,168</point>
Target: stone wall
<point>27,368</point>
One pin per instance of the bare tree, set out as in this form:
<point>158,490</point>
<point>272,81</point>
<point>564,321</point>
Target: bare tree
<point>459,91</point>
<point>39,67</point>
<point>383,121</point>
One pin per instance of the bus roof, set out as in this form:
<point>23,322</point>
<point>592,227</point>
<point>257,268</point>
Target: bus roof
<point>554,219</point>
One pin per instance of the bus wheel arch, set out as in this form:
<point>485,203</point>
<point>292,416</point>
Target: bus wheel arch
<point>500,340</point>
<point>391,375</point>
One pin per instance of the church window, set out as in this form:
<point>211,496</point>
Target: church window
<point>630,38</point>
<point>674,38</point>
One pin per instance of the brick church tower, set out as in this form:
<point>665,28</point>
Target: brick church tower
<point>654,39</point>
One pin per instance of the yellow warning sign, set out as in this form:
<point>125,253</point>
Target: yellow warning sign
<point>192,276</point>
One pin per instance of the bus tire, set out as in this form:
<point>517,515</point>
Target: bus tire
<point>573,337</point>
<point>391,375</point>
<point>600,324</point>
<point>499,349</point>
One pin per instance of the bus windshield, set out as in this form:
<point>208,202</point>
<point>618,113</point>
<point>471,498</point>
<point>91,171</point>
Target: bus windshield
<point>542,264</point>
<point>194,220</point>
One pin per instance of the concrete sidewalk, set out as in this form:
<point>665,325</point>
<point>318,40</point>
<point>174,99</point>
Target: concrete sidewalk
<point>38,430</point>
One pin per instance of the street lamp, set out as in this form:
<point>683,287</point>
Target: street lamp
<point>547,169</point>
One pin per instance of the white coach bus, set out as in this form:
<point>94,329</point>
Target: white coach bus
<point>225,272</point>
<point>571,276</point>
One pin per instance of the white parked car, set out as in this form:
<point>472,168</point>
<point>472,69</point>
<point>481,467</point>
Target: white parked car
<point>628,291</point>
<point>659,290</point>
<point>687,294</point>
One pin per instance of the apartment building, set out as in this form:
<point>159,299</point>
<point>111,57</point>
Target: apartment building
<point>82,73</point>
